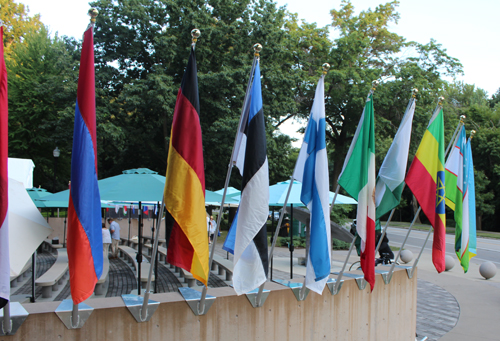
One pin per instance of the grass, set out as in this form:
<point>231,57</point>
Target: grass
<point>449,230</point>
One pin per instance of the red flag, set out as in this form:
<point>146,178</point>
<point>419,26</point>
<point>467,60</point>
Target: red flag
<point>85,256</point>
<point>4,183</point>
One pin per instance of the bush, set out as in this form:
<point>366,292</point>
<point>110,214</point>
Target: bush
<point>297,241</point>
<point>340,245</point>
<point>301,242</point>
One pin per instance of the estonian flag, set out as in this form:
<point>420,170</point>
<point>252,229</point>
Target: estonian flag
<point>247,238</point>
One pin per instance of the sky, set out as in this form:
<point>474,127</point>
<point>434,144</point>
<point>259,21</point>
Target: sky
<point>465,28</point>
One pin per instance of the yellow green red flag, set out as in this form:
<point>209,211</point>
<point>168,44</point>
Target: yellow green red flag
<point>427,182</point>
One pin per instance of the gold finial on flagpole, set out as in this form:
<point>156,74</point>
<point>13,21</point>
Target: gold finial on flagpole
<point>195,33</point>
<point>440,100</point>
<point>375,83</point>
<point>414,92</point>
<point>257,48</point>
<point>462,119</point>
<point>326,67</point>
<point>472,133</point>
<point>93,12</point>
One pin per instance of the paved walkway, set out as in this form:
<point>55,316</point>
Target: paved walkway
<point>450,306</point>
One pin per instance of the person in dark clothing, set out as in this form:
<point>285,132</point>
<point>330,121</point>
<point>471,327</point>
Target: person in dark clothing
<point>384,251</point>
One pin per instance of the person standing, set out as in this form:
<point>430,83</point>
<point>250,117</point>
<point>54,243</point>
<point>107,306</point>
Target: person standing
<point>115,236</point>
<point>106,239</point>
<point>213,227</point>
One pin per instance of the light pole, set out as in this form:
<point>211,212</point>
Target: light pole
<point>56,152</point>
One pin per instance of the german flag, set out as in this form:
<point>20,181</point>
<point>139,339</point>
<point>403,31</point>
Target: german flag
<point>426,180</point>
<point>184,193</point>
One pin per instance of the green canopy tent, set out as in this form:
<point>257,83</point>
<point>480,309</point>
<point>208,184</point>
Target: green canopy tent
<point>37,193</point>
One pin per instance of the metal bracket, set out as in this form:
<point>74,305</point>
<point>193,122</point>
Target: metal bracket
<point>17,317</point>
<point>192,298</point>
<point>331,285</point>
<point>360,279</point>
<point>252,297</point>
<point>64,312</point>
<point>408,270</point>
<point>385,275</point>
<point>134,305</point>
<point>296,287</point>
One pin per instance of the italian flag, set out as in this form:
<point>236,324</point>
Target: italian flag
<point>358,179</point>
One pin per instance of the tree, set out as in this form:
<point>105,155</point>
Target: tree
<point>42,92</point>
<point>17,23</point>
<point>141,51</point>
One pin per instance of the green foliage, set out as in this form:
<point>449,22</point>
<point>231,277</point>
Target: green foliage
<point>17,24</point>
<point>340,245</point>
<point>142,47</point>
<point>297,241</point>
<point>42,87</point>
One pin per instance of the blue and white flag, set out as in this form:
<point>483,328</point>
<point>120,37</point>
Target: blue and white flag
<point>247,238</point>
<point>312,170</point>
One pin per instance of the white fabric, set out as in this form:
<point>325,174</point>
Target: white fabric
<point>249,274</point>
<point>366,199</point>
<point>393,170</point>
<point>21,170</point>
<point>27,228</point>
<point>322,183</point>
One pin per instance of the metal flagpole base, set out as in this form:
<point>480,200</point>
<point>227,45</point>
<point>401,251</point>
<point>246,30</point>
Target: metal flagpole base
<point>252,297</point>
<point>17,317</point>
<point>193,297</point>
<point>296,287</point>
<point>385,275</point>
<point>408,270</point>
<point>134,305</point>
<point>360,279</point>
<point>64,312</point>
<point>331,285</point>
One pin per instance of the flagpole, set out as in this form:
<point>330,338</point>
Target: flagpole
<point>257,49</point>
<point>384,232</point>
<point>7,324</point>
<point>462,119</point>
<point>341,273</point>
<point>145,302</point>
<point>93,12</point>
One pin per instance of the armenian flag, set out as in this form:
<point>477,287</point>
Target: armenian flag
<point>85,256</point>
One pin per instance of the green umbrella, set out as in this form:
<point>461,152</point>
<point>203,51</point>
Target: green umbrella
<point>37,193</point>
<point>132,186</point>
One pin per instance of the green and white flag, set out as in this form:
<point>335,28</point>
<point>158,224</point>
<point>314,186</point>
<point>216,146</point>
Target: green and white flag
<point>391,176</point>
<point>460,197</point>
